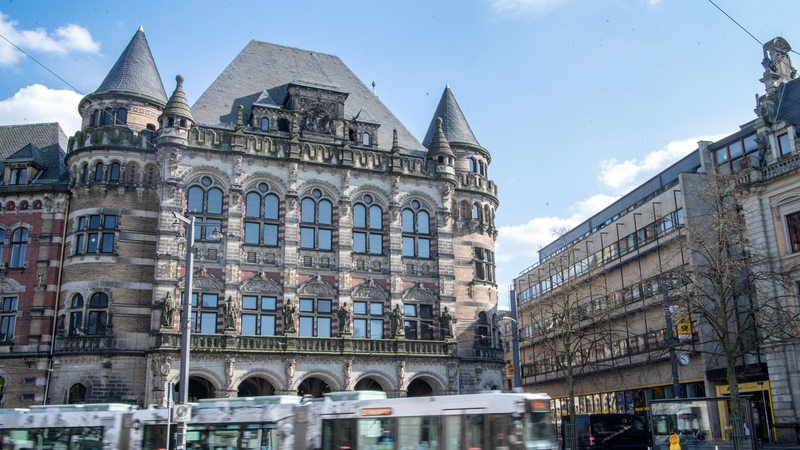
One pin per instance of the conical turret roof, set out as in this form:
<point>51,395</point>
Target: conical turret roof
<point>177,105</point>
<point>454,124</point>
<point>135,72</point>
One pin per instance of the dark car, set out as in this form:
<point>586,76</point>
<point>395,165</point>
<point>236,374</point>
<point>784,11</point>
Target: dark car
<point>606,432</point>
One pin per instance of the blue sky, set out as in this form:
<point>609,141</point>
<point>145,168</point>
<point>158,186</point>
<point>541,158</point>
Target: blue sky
<point>577,100</point>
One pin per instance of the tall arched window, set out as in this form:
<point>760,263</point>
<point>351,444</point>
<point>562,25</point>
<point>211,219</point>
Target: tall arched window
<point>261,217</point>
<point>367,227</point>
<point>19,248</point>
<point>205,203</point>
<point>85,174</point>
<point>113,171</point>
<point>97,314</point>
<point>264,124</point>
<point>76,315</point>
<point>98,171</point>
<point>416,231</point>
<point>316,217</point>
<point>122,116</point>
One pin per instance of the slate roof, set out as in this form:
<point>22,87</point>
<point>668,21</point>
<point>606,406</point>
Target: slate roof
<point>261,72</point>
<point>789,104</point>
<point>42,144</point>
<point>454,124</point>
<point>135,72</point>
<point>15,137</point>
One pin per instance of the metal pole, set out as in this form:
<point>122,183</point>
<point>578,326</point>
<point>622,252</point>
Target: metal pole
<point>186,320</point>
<point>515,342</point>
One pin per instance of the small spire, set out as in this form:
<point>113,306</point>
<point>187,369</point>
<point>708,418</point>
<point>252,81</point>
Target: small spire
<point>374,91</point>
<point>239,119</point>
<point>395,145</point>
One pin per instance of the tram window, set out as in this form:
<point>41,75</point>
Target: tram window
<point>418,432</point>
<point>452,431</point>
<point>473,431</point>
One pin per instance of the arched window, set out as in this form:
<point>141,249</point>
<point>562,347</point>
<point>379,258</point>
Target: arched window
<point>108,116</point>
<point>472,165</point>
<point>316,217</point>
<point>367,227</point>
<point>19,248</point>
<point>76,315</point>
<point>205,203</point>
<point>85,174</point>
<point>261,217</point>
<point>98,171</point>
<point>97,314</point>
<point>476,212</point>
<point>416,231</point>
<point>76,394</point>
<point>264,124</point>
<point>365,139</point>
<point>8,317</point>
<point>97,117</point>
<point>113,171</point>
<point>122,116</point>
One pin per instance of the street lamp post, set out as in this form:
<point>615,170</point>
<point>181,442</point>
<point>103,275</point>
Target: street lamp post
<point>515,344</point>
<point>186,317</point>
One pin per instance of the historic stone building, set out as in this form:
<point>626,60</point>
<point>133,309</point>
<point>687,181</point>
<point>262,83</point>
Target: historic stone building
<point>332,250</point>
<point>617,282</point>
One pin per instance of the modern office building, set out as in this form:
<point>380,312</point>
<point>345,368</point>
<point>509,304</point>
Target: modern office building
<point>332,250</point>
<point>607,298</point>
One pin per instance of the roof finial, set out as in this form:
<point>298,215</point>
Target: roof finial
<point>374,91</point>
<point>141,28</point>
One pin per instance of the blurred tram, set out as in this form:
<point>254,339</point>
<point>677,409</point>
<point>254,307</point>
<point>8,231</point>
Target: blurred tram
<point>363,420</point>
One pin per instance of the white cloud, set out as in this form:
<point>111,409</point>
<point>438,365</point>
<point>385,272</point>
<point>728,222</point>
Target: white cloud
<point>517,7</point>
<point>518,246</point>
<point>623,176</point>
<point>66,39</point>
<point>39,104</point>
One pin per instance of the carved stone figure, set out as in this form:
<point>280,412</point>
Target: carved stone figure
<point>231,313</point>
<point>167,311</point>
<point>344,314</point>
<point>288,316</point>
<point>446,323</point>
<point>397,321</point>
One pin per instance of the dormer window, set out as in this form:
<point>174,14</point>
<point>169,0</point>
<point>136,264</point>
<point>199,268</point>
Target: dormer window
<point>365,139</point>
<point>18,175</point>
<point>264,124</point>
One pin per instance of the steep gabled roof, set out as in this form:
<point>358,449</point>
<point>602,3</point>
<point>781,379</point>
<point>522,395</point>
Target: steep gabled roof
<point>454,124</point>
<point>261,73</point>
<point>15,137</point>
<point>789,104</point>
<point>135,72</point>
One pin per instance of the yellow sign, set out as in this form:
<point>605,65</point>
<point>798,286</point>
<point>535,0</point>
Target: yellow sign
<point>684,329</point>
<point>509,369</point>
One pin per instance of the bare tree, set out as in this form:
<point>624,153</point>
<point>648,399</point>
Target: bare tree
<point>738,294</point>
<point>568,333</point>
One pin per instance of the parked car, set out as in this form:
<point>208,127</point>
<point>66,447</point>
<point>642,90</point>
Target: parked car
<point>607,432</point>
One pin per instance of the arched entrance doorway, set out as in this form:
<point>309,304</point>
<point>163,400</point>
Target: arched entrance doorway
<point>314,387</point>
<point>255,387</point>
<point>419,388</point>
<point>368,384</point>
<point>199,388</point>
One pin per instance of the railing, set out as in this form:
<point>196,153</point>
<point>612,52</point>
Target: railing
<point>84,343</point>
<point>277,344</point>
<point>293,344</point>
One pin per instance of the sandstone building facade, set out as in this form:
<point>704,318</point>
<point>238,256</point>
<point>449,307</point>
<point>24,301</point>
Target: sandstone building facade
<point>332,250</point>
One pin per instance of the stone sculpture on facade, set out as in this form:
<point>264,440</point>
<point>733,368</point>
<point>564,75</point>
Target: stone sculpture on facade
<point>397,321</point>
<point>167,311</point>
<point>288,317</point>
<point>344,319</point>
